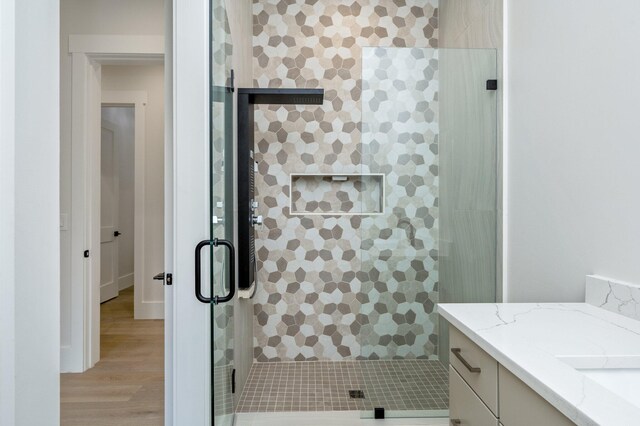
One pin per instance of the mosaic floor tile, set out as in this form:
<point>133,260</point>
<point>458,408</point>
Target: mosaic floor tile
<point>325,386</point>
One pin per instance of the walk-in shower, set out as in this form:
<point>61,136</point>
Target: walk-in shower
<point>377,205</point>
<point>354,257</point>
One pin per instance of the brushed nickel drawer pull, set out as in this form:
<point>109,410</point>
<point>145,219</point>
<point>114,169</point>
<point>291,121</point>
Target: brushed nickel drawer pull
<point>456,352</point>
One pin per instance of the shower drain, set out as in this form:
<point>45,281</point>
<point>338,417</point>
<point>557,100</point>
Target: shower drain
<point>356,394</point>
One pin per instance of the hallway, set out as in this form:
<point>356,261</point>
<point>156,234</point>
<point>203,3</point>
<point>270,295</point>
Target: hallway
<point>126,387</point>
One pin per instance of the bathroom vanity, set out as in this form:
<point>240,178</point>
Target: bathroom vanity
<point>485,393</point>
<point>542,364</point>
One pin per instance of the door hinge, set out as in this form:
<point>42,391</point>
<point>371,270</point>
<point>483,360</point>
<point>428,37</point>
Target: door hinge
<point>86,253</point>
<point>168,280</point>
<point>233,381</point>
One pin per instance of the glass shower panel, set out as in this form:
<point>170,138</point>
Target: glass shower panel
<point>402,118</point>
<point>468,177</point>
<point>221,213</point>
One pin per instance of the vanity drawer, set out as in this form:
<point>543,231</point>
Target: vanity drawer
<point>465,407</point>
<point>522,406</point>
<point>476,367</point>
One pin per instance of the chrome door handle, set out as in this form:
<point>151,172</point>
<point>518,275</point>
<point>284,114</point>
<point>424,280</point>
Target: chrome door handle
<point>232,271</point>
<point>456,352</point>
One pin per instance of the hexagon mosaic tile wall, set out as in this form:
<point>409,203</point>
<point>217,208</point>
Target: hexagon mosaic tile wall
<point>326,290</point>
<point>399,250</point>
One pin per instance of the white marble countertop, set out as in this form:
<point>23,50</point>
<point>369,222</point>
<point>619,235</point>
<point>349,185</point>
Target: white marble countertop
<point>531,340</point>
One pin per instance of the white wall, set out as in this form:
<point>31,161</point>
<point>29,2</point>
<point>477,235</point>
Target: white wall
<point>7,212</point>
<point>150,79</point>
<point>140,17</point>
<point>123,118</point>
<point>29,236</point>
<point>573,151</point>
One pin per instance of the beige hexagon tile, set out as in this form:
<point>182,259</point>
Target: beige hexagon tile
<point>317,297</point>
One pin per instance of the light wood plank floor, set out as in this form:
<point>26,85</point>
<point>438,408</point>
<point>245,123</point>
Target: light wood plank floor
<point>126,387</point>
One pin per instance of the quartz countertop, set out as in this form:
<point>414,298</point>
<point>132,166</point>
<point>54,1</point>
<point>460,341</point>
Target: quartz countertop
<point>538,342</point>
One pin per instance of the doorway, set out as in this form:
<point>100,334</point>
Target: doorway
<point>127,382</point>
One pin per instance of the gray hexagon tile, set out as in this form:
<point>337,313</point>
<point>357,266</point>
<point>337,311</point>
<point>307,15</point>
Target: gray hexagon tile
<point>317,274</point>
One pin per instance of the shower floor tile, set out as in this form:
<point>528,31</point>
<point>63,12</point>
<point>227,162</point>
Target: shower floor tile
<point>325,386</point>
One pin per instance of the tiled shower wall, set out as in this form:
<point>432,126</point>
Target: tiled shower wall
<point>399,249</point>
<point>319,295</point>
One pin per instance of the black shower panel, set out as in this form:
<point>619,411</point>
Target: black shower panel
<point>248,216</point>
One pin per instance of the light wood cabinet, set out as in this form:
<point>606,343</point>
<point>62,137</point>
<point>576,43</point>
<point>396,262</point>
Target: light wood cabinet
<point>476,367</point>
<point>465,407</point>
<point>483,392</point>
<point>522,406</point>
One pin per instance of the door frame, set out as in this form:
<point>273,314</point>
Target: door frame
<point>89,53</point>
<point>138,100</point>
<point>190,393</point>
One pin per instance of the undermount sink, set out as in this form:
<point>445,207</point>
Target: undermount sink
<point>620,375</point>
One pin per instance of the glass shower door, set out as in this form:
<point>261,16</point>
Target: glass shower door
<point>429,126</point>
<point>221,251</point>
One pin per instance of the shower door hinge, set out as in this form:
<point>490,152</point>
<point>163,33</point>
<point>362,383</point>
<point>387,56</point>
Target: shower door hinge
<point>233,381</point>
<point>492,84</point>
<point>232,77</point>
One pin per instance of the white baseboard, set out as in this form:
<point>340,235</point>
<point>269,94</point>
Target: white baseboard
<point>149,310</point>
<point>125,281</point>
<point>69,363</point>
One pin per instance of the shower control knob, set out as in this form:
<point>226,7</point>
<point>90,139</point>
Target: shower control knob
<point>257,220</point>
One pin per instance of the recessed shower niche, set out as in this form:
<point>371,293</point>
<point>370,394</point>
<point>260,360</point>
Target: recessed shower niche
<point>337,194</point>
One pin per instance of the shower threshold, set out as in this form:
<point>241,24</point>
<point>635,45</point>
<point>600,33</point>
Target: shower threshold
<point>404,388</point>
<point>324,418</point>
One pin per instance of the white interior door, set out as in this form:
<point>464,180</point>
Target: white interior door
<point>108,212</point>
